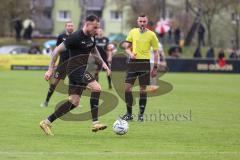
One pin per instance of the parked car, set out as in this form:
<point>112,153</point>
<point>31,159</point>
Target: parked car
<point>14,49</point>
<point>116,37</point>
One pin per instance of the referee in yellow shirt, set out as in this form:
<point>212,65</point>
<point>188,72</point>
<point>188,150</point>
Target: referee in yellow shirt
<point>141,40</point>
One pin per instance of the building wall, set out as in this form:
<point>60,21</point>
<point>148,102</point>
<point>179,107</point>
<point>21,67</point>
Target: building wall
<point>113,26</point>
<point>72,6</point>
<point>110,25</point>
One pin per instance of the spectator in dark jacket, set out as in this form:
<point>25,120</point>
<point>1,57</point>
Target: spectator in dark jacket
<point>18,29</point>
<point>177,35</point>
<point>201,35</point>
<point>233,54</point>
<point>197,53</point>
<point>210,53</point>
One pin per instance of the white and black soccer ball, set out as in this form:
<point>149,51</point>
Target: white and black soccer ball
<point>120,127</point>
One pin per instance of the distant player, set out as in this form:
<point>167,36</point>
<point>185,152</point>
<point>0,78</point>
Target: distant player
<point>60,71</point>
<point>106,51</point>
<point>142,41</point>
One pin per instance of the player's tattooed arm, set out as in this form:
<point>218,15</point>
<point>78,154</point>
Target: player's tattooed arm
<point>54,58</point>
<point>56,52</point>
<point>98,56</point>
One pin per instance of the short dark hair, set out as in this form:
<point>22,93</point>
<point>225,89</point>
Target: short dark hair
<point>142,15</point>
<point>68,22</point>
<point>92,18</point>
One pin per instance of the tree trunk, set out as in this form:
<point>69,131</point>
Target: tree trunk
<point>237,34</point>
<point>187,5</point>
<point>209,32</point>
<point>163,7</point>
<point>191,32</point>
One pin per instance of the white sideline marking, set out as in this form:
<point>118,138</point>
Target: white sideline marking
<point>19,153</point>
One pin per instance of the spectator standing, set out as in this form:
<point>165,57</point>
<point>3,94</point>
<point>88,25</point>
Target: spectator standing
<point>177,35</point>
<point>201,35</point>
<point>210,53</point>
<point>18,29</point>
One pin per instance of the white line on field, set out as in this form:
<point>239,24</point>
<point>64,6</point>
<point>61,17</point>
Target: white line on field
<point>19,153</point>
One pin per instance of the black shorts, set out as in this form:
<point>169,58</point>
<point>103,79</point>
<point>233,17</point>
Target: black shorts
<point>60,72</point>
<point>77,85</point>
<point>138,68</point>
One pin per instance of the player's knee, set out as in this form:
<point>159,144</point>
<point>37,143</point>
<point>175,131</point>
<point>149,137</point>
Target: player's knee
<point>128,88</point>
<point>75,100</point>
<point>97,88</point>
<point>143,89</point>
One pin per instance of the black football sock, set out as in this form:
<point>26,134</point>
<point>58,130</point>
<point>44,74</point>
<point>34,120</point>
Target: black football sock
<point>142,102</point>
<point>94,100</point>
<point>109,81</point>
<point>129,102</point>
<point>63,109</point>
<point>50,92</point>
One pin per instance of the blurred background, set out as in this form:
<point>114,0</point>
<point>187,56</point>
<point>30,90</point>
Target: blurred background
<point>196,29</point>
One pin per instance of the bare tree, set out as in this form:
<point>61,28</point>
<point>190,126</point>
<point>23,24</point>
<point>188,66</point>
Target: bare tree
<point>151,8</point>
<point>206,11</point>
<point>9,10</point>
<point>235,12</point>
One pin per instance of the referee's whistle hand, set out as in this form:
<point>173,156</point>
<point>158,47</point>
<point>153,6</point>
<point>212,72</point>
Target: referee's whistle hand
<point>48,75</point>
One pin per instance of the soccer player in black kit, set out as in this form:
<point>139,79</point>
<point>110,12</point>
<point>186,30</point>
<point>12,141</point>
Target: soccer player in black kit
<point>80,44</point>
<point>61,69</point>
<point>105,52</point>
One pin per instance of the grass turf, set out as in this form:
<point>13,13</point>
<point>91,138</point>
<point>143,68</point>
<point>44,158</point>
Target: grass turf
<point>210,132</point>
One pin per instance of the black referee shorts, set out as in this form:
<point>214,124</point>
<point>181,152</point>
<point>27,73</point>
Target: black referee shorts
<point>138,68</point>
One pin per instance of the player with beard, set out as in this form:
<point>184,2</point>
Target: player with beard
<point>141,40</point>
<point>80,44</point>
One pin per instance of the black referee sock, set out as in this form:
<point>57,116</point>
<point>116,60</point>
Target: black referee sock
<point>50,92</point>
<point>109,82</point>
<point>129,102</point>
<point>142,103</point>
<point>94,100</point>
<point>63,109</point>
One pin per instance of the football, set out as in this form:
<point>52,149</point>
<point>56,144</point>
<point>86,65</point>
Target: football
<point>120,127</point>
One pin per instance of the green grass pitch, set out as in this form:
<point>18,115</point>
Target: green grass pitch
<point>210,132</point>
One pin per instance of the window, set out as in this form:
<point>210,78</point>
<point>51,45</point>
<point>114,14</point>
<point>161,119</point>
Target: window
<point>64,16</point>
<point>116,15</point>
<point>47,13</point>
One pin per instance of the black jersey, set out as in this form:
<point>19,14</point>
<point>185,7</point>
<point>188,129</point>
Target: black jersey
<point>64,55</point>
<point>79,46</point>
<point>102,46</point>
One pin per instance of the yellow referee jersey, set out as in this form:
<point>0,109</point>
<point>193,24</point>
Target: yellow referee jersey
<point>142,43</point>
